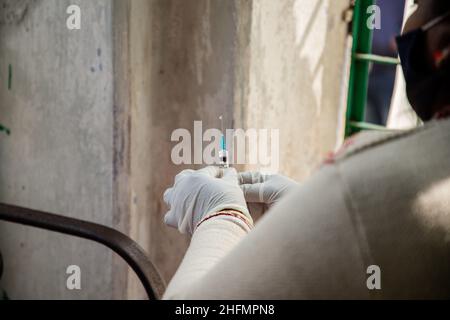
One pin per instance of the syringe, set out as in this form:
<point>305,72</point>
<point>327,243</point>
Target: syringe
<point>223,152</point>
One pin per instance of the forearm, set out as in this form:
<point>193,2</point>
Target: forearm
<point>213,240</point>
<point>302,249</point>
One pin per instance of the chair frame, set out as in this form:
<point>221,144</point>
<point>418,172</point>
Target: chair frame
<point>121,244</point>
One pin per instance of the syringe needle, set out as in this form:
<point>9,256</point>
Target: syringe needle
<point>221,123</point>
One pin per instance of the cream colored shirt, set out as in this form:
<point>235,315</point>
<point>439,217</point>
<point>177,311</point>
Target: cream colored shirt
<point>385,201</point>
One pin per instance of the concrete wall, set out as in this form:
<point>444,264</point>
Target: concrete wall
<point>96,144</point>
<point>58,157</point>
<point>262,64</point>
<point>297,66</point>
<point>182,57</point>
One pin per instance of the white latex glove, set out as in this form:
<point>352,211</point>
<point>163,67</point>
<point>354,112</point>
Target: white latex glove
<point>261,191</point>
<point>197,194</point>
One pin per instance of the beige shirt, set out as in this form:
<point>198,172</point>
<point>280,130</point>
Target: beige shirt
<point>384,201</point>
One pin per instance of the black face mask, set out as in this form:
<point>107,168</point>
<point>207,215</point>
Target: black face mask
<point>422,84</point>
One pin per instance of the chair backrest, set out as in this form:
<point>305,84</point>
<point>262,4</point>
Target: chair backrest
<point>128,249</point>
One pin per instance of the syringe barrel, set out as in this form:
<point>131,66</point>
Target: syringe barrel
<point>223,159</point>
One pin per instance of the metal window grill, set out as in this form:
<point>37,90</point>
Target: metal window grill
<point>361,57</point>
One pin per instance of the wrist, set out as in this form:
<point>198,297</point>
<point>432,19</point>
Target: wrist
<point>240,209</point>
<point>234,215</point>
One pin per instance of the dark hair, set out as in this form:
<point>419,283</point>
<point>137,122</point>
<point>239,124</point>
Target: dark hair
<point>439,6</point>
<point>434,7</point>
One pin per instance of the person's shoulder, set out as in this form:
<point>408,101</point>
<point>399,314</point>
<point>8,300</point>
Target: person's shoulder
<point>396,164</point>
<point>434,135</point>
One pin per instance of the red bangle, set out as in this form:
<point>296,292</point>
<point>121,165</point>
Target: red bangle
<point>230,213</point>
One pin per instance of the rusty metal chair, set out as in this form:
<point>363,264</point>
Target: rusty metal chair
<point>128,249</point>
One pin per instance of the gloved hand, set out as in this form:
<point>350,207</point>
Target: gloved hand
<point>261,191</point>
<point>197,194</point>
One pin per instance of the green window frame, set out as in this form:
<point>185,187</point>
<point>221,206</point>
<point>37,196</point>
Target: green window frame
<point>361,58</point>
